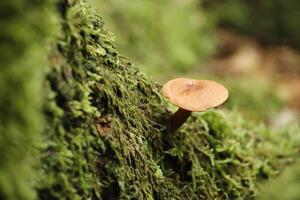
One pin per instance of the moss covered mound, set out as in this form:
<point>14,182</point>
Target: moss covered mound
<point>105,131</point>
<point>106,135</point>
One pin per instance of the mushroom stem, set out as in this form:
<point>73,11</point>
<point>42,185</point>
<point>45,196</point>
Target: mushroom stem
<point>177,119</point>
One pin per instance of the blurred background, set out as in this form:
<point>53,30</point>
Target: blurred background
<point>250,46</point>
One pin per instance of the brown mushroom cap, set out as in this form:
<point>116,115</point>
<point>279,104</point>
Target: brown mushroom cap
<point>195,95</point>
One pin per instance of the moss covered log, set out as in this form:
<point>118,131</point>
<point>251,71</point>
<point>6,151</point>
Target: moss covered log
<point>105,137</point>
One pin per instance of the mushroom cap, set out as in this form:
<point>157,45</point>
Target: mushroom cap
<point>195,95</point>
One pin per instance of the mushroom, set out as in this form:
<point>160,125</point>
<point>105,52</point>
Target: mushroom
<point>192,95</point>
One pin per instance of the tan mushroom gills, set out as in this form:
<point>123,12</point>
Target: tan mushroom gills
<point>192,95</point>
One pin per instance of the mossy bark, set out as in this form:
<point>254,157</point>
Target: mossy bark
<point>105,134</point>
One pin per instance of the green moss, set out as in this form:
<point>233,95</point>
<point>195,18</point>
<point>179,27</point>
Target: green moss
<point>284,187</point>
<point>106,135</point>
<point>22,61</point>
